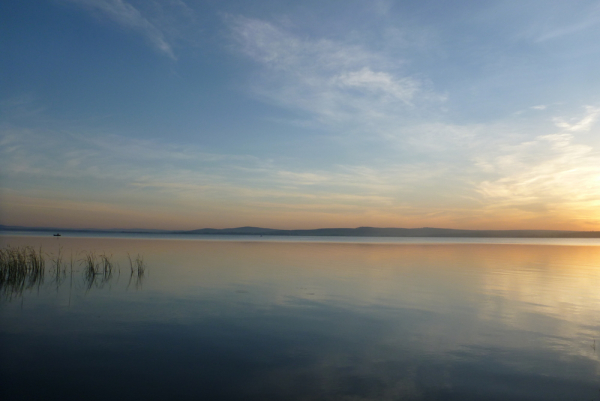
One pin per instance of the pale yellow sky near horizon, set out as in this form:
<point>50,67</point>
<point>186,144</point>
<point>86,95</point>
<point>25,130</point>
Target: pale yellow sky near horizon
<point>68,214</point>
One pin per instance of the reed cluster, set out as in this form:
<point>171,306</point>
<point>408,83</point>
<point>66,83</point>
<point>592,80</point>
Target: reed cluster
<point>59,268</point>
<point>20,268</point>
<point>138,269</point>
<point>23,268</point>
<point>97,269</point>
<point>137,265</point>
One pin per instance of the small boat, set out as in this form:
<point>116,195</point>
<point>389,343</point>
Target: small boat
<point>57,235</point>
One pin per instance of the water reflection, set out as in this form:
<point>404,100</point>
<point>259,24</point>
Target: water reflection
<point>312,321</point>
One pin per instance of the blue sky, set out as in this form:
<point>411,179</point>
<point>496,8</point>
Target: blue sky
<point>188,114</point>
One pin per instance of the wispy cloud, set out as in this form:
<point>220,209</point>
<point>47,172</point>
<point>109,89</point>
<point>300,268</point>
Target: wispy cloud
<point>126,15</point>
<point>189,173</point>
<point>21,107</point>
<point>550,172</point>
<point>591,19</point>
<point>381,83</point>
<point>339,84</point>
<point>70,155</point>
<point>579,124</point>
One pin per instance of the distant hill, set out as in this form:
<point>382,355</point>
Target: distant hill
<point>340,232</point>
<point>233,231</point>
<point>399,232</point>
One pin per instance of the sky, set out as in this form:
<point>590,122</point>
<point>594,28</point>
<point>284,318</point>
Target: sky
<point>186,114</point>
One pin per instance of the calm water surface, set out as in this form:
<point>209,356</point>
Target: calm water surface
<point>247,319</point>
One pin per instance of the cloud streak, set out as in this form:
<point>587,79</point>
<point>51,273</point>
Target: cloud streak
<point>67,165</point>
<point>590,20</point>
<point>553,173</point>
<point>342,85</point>
<point>579,125</point>
<point>129,17</point>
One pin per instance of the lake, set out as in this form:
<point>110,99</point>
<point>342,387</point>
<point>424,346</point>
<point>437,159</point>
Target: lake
<point>251,318</point>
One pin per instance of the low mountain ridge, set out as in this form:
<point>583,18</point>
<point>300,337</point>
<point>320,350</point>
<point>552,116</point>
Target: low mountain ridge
<point>422,232</point>
<point>399,232</point>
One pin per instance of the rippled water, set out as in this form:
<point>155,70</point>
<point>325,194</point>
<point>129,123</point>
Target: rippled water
<point>247,319</point>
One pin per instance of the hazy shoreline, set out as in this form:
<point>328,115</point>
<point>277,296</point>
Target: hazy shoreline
<point>425,232</point>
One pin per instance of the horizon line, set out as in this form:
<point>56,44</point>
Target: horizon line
<point>4,227</point>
